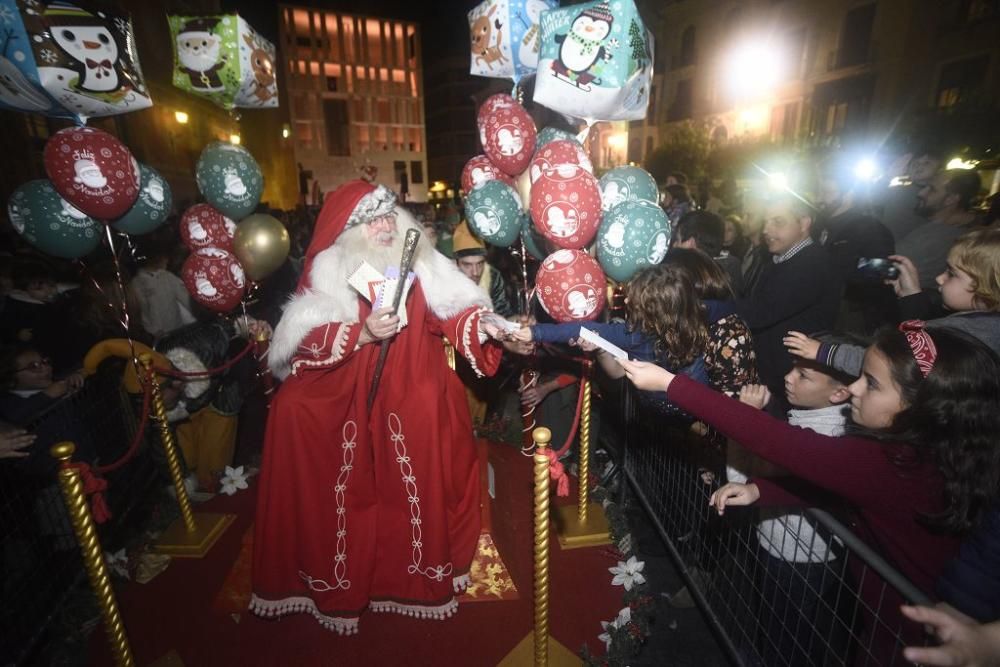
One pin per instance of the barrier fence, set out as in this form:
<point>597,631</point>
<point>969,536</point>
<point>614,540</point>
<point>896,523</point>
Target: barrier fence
<point>41,558</point>
<point>778,587</point>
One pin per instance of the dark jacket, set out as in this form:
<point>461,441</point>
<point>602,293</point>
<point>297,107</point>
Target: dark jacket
<point>799,294</point>
<point>971,581</point>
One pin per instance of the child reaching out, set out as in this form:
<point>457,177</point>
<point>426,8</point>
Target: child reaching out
<point>919,462</point>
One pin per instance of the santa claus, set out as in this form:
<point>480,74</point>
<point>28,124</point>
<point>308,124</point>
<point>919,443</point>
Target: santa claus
<point>370,509</point>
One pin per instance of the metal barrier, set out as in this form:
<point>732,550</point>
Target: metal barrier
<point>41,558</point>
<point>774,590</point>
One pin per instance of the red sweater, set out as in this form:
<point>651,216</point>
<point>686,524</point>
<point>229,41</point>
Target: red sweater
<point>859,470</point>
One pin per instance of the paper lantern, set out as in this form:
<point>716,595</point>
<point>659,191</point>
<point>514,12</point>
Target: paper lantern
<point>223,59</point>
<point>493,210</point>
<point>50,223</point>
<point>628,183</point>
<point>214,278</point>
<point>570,286</point>
<point>566,206</point>
<point>557,153</point>
<point>596,61</point>
<point>504,37</point>
<point>478,170</point>
<point>202,226</point>
<point>92,170</point>
<point>633,235</point>
<point>64,61</point>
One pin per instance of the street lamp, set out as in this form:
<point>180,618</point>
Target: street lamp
<point>181,117</point>
<point>235,139</point>
<point>754,68</point>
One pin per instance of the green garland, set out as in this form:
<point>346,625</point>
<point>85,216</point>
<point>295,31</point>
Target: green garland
<point>627,633</point>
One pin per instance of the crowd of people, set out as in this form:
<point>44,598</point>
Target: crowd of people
<point>838,345</point>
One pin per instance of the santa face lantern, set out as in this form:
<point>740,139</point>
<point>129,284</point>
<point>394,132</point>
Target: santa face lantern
<point>214,279</point>
<point>571,286</point>
<point>566,205</point>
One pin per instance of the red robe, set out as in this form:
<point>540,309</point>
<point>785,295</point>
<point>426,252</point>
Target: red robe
<point>379,509</point>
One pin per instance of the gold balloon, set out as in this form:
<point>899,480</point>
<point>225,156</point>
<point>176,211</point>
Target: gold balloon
<point>524,189</point>
<point>261,243</point>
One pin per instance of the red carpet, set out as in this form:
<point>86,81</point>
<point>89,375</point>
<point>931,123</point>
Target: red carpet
<point>185,609</point>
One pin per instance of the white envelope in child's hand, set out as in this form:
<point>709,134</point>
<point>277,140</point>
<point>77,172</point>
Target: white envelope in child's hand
<point>599,341</point>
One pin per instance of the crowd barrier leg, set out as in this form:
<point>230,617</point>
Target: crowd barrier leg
<point>185,537</point>
<point>584,525</point>
<point>93,554</point>
<point>538,648</point>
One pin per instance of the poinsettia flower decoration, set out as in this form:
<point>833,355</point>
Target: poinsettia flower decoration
<point>628,573</point>
<point>233,480</point>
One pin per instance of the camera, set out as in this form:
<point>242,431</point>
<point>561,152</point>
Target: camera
<point>877,268</point>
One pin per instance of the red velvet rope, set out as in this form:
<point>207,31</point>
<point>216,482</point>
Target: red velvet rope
<point>212,371</point>
<point>134,445</point>
<point>94,487</point>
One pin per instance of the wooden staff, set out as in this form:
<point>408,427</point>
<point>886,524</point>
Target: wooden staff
<point>405,264</point>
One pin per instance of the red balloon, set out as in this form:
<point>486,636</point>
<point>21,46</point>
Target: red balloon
<point>566,205</point>
<point>204,227</point>
<point>92,170</point>
<point>570,286</point>
<point>215,278</point>
<point>478,170</point>
<point>492,103</point>
<point>555,153</point>
<point>510,138</point>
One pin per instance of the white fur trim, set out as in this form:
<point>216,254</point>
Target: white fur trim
<point>331,299</point>
<point>187,361</point>
<point>293,605</point>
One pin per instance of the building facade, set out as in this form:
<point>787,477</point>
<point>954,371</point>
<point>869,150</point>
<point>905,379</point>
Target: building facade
<point>819,72</point>
<point>354,88</point>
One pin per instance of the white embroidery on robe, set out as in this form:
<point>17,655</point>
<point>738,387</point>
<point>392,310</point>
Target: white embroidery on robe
<point>350,434</point>
<point>435,572</point>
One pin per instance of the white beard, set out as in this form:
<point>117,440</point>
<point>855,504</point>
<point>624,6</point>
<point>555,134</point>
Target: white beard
<point>331,299</point>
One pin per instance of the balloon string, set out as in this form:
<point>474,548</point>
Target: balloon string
<point>125,321</point>
<point>525,294</point>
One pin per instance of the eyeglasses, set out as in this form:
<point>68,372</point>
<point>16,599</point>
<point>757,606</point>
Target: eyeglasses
<point>36,365</point>
<point>383,221</point>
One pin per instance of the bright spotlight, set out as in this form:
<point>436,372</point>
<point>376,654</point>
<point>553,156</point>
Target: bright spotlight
<point>235,139</point>
<point>181,117</point>
<point>754,68</point>
<point>777,180</point>
<point>959,163</point>
<point>866,170</point>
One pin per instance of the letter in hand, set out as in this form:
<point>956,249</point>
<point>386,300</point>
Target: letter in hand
<point>380,325</point>
<point>494,326</point>
<point>734,494</point>
<point>801,345</point>
<point>755,395</point>
<point>583,344</point>
<point>646,375</point>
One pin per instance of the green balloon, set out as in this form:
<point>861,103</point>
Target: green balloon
<point>548,134</point>
<point>627,184</point>
<point>632,236</point>
<point>533,241</point>
<point>151,208</point>
<point>230,179</point>
<point>494,213</point>
<point>50,223</point>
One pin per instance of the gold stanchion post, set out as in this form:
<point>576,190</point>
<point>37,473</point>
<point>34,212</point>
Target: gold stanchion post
<point>538,647</point>
<point>262,341</point>
<point>185,537</point>
<point>585,525</point>
<point>93,555</point>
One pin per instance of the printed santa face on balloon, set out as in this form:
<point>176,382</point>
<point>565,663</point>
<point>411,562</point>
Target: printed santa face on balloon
<point>509,134</point>
<point>558,153</point>
<point>566,206</point>
<point>203,227</point>
<point>571,286</point>
<point>92,170</point>
<point>479,170</point>
<point>214,278</point>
